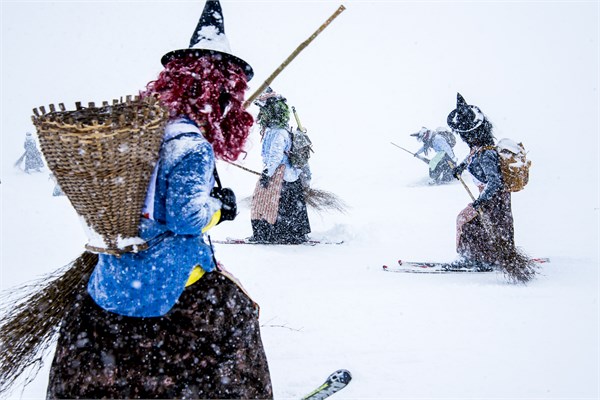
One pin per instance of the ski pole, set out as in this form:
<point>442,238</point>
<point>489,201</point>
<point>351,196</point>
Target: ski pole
<point>466,188</point>
<point>300,127</point>
<point>451,164</point>
<point>18,162</point>
<point>478,209</point>
<point>425,160</point>
<point>291,57</point>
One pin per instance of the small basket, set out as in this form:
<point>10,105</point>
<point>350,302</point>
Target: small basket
<point>103,158</point>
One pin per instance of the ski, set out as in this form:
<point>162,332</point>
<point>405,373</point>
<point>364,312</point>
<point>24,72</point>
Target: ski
<point>441,268</point>
<point>333,384</point>
<point>309,242</point>
<point>427,268</point>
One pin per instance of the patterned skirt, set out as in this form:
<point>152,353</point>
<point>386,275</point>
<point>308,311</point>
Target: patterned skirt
<point>291,225</point>
<point>265,201</point>
<point>207,346</point>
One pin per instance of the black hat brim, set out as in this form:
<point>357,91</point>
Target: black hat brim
<point>183,53</point>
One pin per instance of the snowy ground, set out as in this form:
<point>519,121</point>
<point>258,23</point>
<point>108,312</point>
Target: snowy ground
<point>377,74</point>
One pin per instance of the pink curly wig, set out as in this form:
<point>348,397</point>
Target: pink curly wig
<point>210,91</point>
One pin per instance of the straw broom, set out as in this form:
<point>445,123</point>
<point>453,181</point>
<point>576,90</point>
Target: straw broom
<point>317,199</point>
<point>322,200</point>
<point>32,313</point>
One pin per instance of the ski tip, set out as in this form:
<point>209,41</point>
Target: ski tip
<point>333,384</point>
<point>341,375</point>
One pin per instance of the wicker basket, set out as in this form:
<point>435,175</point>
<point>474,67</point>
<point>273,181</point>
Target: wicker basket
<point>103,158</point>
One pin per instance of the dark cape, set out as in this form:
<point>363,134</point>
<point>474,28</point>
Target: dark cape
<point>207,346</point>
<point>474,242</point>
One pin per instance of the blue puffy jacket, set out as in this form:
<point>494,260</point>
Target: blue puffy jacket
<point>148,283</point>
<point>276,144</point>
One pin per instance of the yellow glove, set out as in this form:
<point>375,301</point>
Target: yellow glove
<point>213,221</point>
<point>196,274</point>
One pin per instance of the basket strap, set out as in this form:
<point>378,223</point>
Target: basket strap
<point>217,180</point>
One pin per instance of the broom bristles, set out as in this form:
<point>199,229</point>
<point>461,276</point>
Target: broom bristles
<point>317,199</point>
<point>514,263</point>
<point>322,200</point>
<point>32,313</point>
<point>517,266</point>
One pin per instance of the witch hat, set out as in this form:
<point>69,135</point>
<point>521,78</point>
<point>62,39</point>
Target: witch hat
<point>465,117</point>
<point>209,38</point>
<point>419,135</point>
<point>268,96</point>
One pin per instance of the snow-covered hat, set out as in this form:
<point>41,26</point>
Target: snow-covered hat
<point>465,118</point>
<point>209,38</point>
<point>268,96</point>
<point>422,135</point>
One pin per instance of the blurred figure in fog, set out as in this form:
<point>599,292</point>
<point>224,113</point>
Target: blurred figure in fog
<point>32,158</point>
<point>441,141</point>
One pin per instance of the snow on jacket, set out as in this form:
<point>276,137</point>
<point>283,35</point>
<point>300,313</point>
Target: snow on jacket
<point>484,165</point>
<point>276,144</point>
<point>148,283</point>
<point>438,143</point>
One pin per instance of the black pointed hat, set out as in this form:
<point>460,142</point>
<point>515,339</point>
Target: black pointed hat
<point>209,38</point>
<point>465,117</point>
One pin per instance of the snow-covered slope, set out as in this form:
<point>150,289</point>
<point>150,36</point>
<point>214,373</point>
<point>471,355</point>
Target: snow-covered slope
<point>378,73</point>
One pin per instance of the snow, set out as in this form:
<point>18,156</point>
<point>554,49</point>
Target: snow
<point>125,242</point>
<point>95,239</point>
<point>211,39</point>
<point>379,72</point>
<point>508,144</point>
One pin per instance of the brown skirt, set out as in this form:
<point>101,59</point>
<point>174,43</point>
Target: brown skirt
<point>207,346</point>
<point>474,242</point>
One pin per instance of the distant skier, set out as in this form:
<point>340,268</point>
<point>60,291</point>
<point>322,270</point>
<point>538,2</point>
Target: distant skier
<point>32,158</point>
<point>485,232</point>
<point>441,141</point>
<point>279,213</point>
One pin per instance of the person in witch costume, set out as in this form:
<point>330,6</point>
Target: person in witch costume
<point>32,158</point>
<point>169,322</point>
<point>485,230</point>
<point>279,214</point>
<point>440,170</point>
